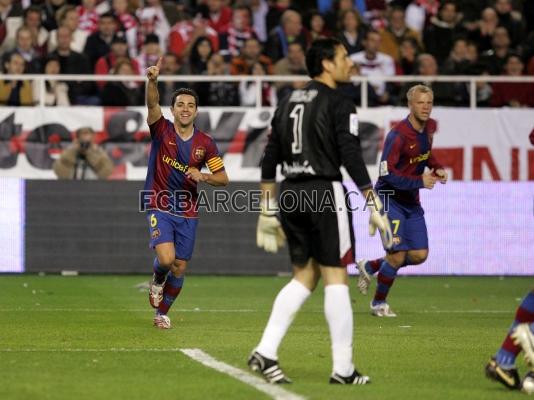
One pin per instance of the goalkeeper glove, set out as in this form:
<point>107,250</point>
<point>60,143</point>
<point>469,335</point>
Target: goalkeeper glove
<point>379,220</point>
<point>269,233</point>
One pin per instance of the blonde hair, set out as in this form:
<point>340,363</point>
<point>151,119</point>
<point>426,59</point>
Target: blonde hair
<point>418,88</point>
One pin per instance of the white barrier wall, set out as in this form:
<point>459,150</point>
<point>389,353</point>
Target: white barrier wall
<point>486,144</point>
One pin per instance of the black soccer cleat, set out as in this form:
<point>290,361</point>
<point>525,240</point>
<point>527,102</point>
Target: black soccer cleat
<point>355,379</point>
<point>508,377</point>
<point>268,368</point>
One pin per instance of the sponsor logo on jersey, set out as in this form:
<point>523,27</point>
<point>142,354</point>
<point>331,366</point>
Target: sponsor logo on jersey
<point>420,157</point>
<point>297,168</point>
<point>174,163</point>
<point>303,96</point>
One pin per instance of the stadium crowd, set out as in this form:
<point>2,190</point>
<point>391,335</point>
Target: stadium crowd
<point>260,37</point>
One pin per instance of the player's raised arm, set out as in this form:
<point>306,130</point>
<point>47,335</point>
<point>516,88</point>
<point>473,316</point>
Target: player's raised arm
<point>152,94</point>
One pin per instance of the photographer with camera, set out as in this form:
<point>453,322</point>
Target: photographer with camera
<point>84,159</point>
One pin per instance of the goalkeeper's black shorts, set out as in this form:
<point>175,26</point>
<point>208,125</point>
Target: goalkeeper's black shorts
<point>317,222</point>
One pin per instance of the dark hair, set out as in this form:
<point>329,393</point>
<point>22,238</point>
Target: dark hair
<point>321,49</point>
<point>197,65</point>
<point>187,91</point>
<point>32,9</point>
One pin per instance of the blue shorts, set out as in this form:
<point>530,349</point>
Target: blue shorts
<point>165,227</point>
<point>408,227</point>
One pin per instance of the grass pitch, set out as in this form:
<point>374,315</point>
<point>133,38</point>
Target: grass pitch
<point>91,337</point>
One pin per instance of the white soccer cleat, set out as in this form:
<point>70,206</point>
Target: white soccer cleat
<point>364,279</point>
<point>155,293</point>
<point>162,322</point>
<point>523,336</point>
<point>382,310</point>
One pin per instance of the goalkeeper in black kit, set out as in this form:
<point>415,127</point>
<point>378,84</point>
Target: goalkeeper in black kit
<point>314,133</point>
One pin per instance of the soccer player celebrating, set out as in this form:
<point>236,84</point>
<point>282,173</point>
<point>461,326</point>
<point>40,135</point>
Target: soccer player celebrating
<point>314,132</point>
<point>501,368</point>
<point>403,171</point>
<point>178,152</point>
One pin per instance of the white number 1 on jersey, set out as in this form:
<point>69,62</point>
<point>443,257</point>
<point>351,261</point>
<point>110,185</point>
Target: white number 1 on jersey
<point>297,115</point>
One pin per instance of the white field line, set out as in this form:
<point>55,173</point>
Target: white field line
<point>198,310</point>
<point>276,392</point>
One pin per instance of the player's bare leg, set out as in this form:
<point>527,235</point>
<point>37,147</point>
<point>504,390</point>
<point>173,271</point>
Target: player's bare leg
<point>264,359</point>
<point>338,312</point>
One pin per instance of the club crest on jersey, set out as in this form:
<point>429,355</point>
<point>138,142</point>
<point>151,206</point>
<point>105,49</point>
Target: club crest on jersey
<point>199,153</point>
<point>155,233</point>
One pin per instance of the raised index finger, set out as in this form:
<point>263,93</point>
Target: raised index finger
<point>160,61</point>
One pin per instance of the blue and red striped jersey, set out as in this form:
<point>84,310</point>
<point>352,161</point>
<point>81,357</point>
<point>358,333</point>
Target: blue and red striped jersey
<point>406,154</point>
<point>170,158</point>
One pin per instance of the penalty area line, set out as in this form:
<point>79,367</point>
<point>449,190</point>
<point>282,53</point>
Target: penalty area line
<point>276,392</point>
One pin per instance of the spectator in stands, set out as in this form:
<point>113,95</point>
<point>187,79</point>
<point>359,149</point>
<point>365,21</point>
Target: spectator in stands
<point>119,52</point>
<point>72,62</point>
<point>354,91</point>
<point>68,16</point>
<point>375,14</point>
<point>316,26</point>
<point>374,63</point>
<point>289,31</point>
<point>259,10</point>
<point>123,93</point>
<point>495,58</point>
<point>409,50</point>
<point>185,33</point>
<point>419,12</point>
<point>439,35</point>
<point>217,93</point>
<point>150,52</point>
<point>483,33</point>
<point>237,32</point>
<point>219,15</point>
<point>351,31</point>
<point>57,92</point>
<point>88,21</point>
<point>250,55</point>
<point>10,21</point>
<point>25,47</point>
<point>444,92</point>
<point>247,89</point>
<point>513,94</point>
<point>276,9</point>
<point>511,20</point>
<point>16,93</point>
<point>127,23</point>
<point>396,31</point>
<point>335,15</point>
<point>457,62</point>
<point>200,54</point>
<point>292,64</point>
<point>50,8</point>
<point>32,20</point>
<point>98,44</point>
<point>170,66</point>
<point>152,19</point>
<point>84,159</point>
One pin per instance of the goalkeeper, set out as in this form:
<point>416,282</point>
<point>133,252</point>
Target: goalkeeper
<point>314,132</point>
<point>407,165</point>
